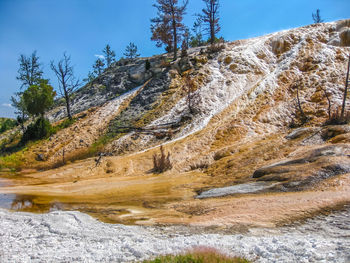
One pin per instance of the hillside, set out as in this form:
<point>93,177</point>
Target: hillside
<point>245,141</point>
<point>6,124</point>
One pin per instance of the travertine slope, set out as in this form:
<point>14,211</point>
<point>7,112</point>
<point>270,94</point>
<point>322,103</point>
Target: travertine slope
<point>240,132</point>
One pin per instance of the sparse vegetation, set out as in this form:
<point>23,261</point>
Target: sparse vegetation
<point>7,124</point>
<point>228,60</point>
<point>317,17</point>
<point>199,255</point>
<point>215,48</point>
<point>147,65</point>
<point>98,66</point>
<point>299,117</point>
<point>109,55</point>
<point>197,39</point>
<point>336,118</point>
<point>189,88</point>
<point>131,51</point>
<point>40,129</point>
<point>161,162</point>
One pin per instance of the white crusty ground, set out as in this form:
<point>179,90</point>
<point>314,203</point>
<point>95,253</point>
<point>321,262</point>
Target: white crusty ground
<point>66,236</point>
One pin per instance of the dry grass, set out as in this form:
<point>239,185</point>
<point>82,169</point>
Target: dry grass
<point>161,162</point>
<point>109,167</point>
<point>199,255</point>
<point>335,118</point>
<point>228,60</point>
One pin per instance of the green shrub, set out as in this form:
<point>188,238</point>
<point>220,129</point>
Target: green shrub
<point>64,124</point>
<point>40,129</point>
<point>201,255</point>
<point>7,124</point>
<point>148,65</point>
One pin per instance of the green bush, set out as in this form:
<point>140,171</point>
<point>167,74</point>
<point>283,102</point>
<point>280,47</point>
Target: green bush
<point>40,129</point>
<point>7,124</point>
<point>64,124</point>
<point>148,65</point>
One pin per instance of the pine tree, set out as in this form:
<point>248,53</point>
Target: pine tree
<point>20,108</point>
<point>197,38</point>
<point>210,16</point>
<point>317,17</point>
<point>167,27</point>
<point>38,98</point>
<point>98,66</point>
<point>109,55</point>
<point>30,71</point>
<point>131,51</point>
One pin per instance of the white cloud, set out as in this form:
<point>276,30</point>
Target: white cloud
<point>100,56</point>
<point>7,105</point>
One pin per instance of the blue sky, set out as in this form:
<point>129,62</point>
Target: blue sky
<point>83,27</point>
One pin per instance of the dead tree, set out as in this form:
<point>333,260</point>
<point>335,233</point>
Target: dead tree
<point>63,156</point>
<point>189,88</point>
<point>329,104</point>
<point>345,91</point>
<point>66,79</point>
<point>98,160</point>
<point>302,113</point>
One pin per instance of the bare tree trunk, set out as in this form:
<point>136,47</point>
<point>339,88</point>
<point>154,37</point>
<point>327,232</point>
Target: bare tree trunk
<point>22,122</point>
<point>345,91</point>
<point>329,104</point>
<point>68,106</point>
<point>175,33</point>
<point>175,41</point>
<point>63,159</point>
<point>212,24</point>
<point>299,106</point>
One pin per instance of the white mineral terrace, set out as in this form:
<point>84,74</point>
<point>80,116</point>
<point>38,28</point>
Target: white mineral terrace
<point>76,237</point>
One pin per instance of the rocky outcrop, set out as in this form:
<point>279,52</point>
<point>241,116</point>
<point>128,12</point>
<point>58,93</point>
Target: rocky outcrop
<point>309,168</point>
<point>345,38</point>
<point>301,132</point>
<point>340,34</point>
<point>120,77</point>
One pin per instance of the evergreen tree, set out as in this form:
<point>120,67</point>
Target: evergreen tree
<point>109,55</point>
<point>186,37</point>
<point>20,108</point>
<point>90,77</point>
<point>317,17</point>
<point>161,33</point>
<point>167,27</point>
<point>98,66</point>
<point>210,16</point>
<point>197,38</point>
<point>30,71</point>
<point>131,51</point>
<point>38,98</point>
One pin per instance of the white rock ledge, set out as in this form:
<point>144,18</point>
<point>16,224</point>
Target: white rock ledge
<point>64,236</point>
